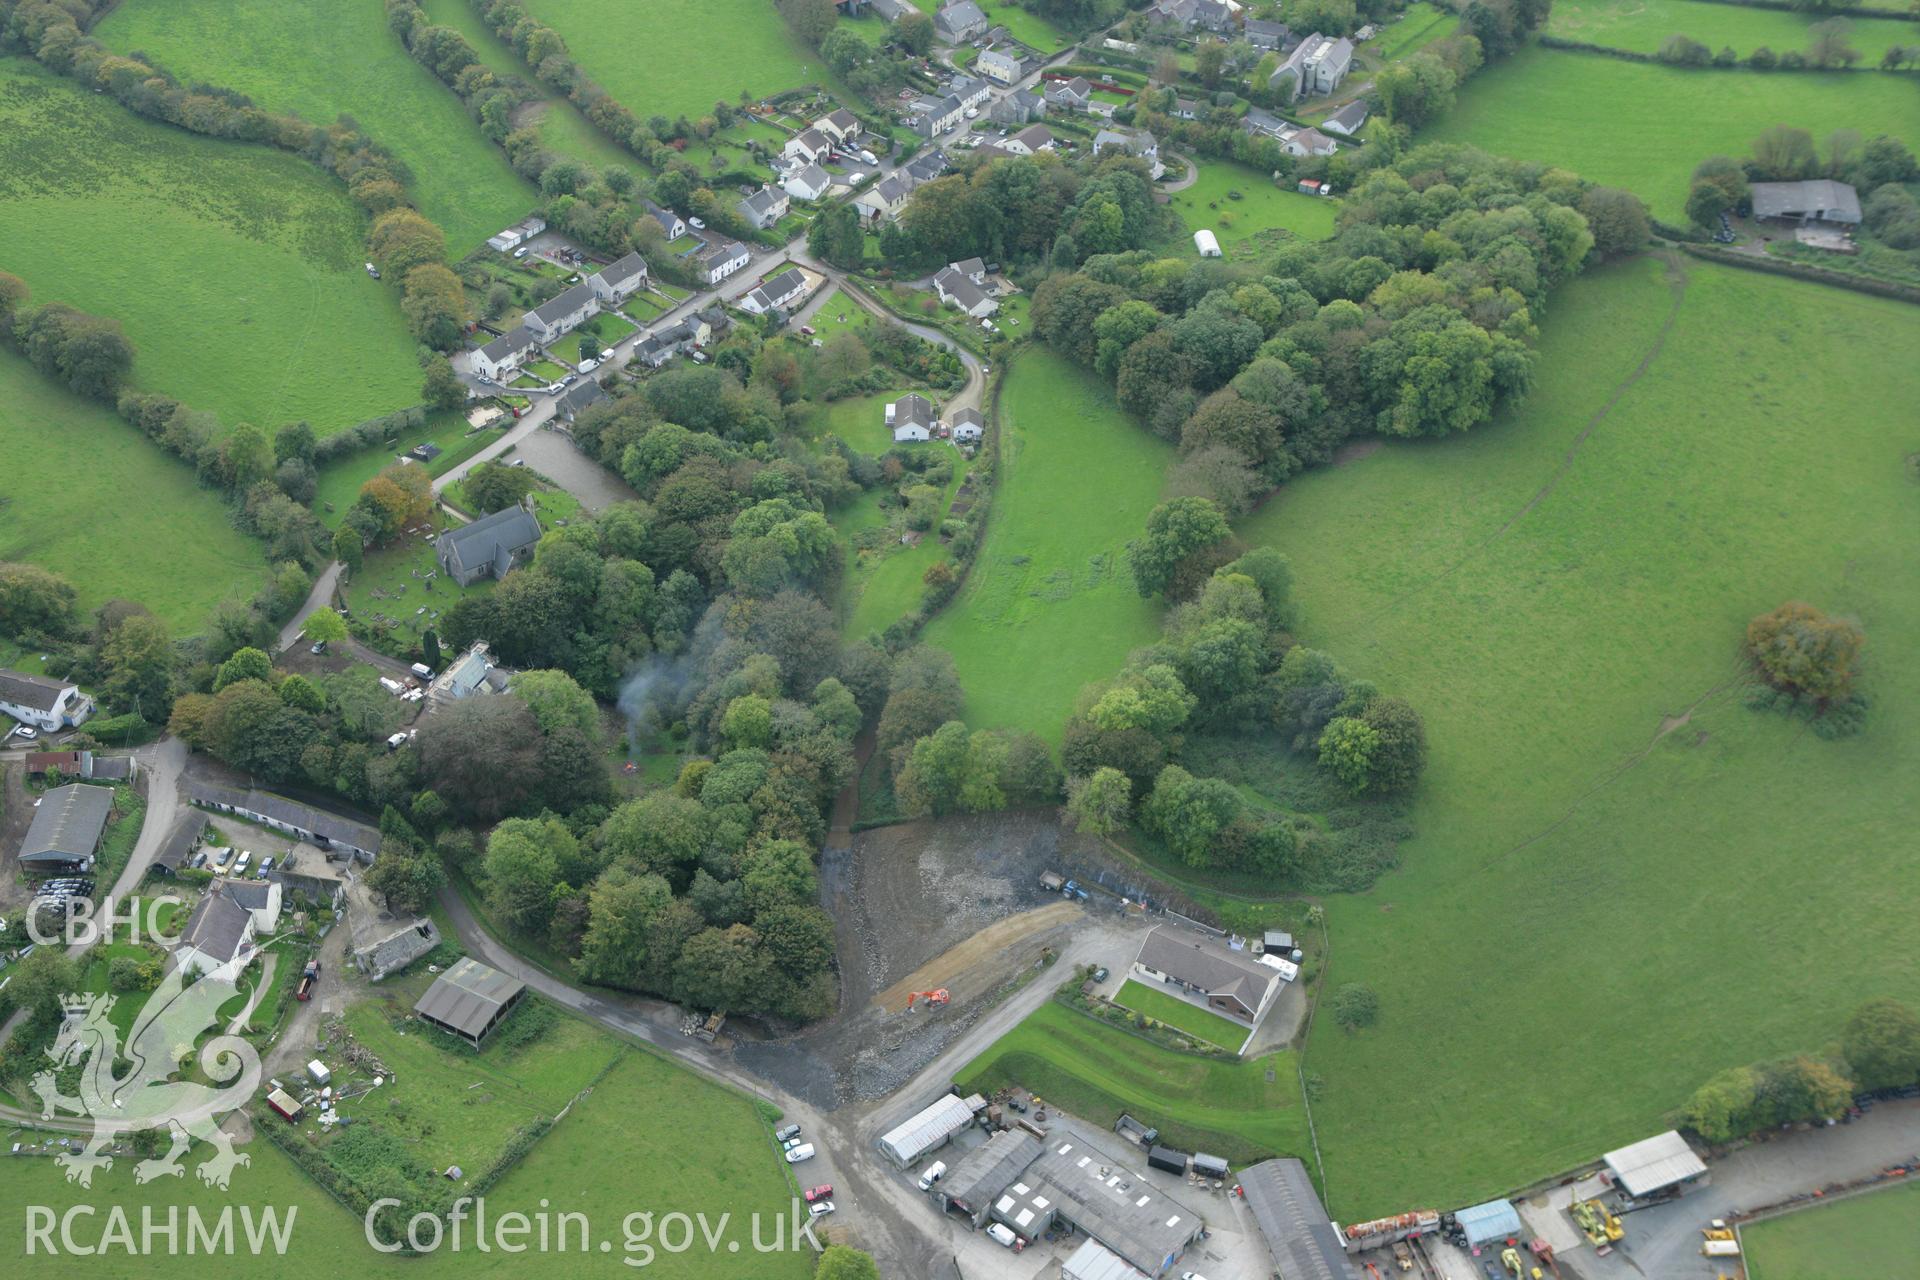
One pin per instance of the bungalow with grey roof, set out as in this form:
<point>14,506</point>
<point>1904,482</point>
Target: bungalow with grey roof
<point>1135,142</point>
<point>961,20</point>
<point>1347,121</point>
<point>910,418</point>
<point>1028,141</point>
<point>1308,142</point>
<point>783,290</point>
<point>809,183</point>
<point>1069,95</point>
<point>1207,973</point>
<point>672,225</point>
<point>765,207</point>
<point>957,290</point>
<point>43,702</point>
<point>490,546</point>
<point>1270,37</point>
<point>928,165</point>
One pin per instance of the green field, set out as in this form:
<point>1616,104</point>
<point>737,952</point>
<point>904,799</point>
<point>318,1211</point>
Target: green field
<point>715,48</point>
<point>1029,29</point>
<point>886,582</point>
<point>340,482</point>
<point>1177,1013</point>
<point>1608,844</point>
<point>1050,604</point>
<point>89,497</point>
<point>1872,1235</point>
<point>627,1148</point>
<point>1645,127</point>
<point>1228,1107</point>
<point>1261,218</point>
<point>324,59</point>
<point>1643,25</point>
<point>235,269</point>
<point>1420,27</point>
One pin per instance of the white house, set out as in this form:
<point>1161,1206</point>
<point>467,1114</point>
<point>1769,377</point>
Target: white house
<point>972,268</point>
<point>808,146</point>
<point>910,418</point>
<point>883,200</point>
<point>1207,974</point>
<point>614,284</point>
<point>1070,95</point>
<point>1137,142</point>
<point>1347,121</point>
<point>967,425</point>
<point>1001,63</point>
<point>780,291</point>
<point>935,116</point>
<point>225,923</point>
<point>839,124</point>
<point>45,704</point>
<point>765,207</point>
<point>956,290</point>
<point>721,259</point>
<point>961,20</point>
<point>1033,138</point>
<point>971,90</point>
<point>501,359</point>
<point>671,223</point>
<point>1308,142</point>
<point>564,314</point>
<point>809,183</point>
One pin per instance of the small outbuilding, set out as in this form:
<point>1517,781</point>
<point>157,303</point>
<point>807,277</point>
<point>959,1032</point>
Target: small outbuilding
<point>285,1104</point>
<point>470,999</point>
<point>1167,1160</point>
<point>1657,1167</point>
<point>1490,1222</point>
<point>1207,243</point>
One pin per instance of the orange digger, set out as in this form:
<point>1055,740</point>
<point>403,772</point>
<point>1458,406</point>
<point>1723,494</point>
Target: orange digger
<point>934,999</point>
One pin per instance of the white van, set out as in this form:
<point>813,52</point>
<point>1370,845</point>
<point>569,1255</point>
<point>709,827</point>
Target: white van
<point>802,1152</point>
<point>422,670</point>
<point>935,1171</point>
<point>1000,1233</point>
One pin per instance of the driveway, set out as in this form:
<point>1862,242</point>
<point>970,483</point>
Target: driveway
<point>320,597</point>
<point>554,455</point>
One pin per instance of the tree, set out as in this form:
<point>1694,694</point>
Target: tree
<point>1189,813</point>
<point>1885,160</point>
<point>435,305</point>
<point>245,457</point>
<point>557,701</point>
<point>1783,153</point>
<point>348,548</point>
<point>245,664</point>
<point>1176,531</point>
<point>1721,1109</point>
<point>1209,60</point>
<point>1803,651</point>
<point>913,31</point>
<point>1830,44</point>
<point>835,235</point>
<point>1101,803</point>
<point>811,20</point>
<point>406,880</point>
<point>623,909</point>
<point>42,979</point>
<point>401,240</point>
<point>1355,1006</point>
<point>1618,219</point>
<point>723,969</point>
<point>1347,747</point>
<point>839,1261</point>
<point>779,873</point>
<point>442,388</point>
<point>481,755</point>
<point>137,665</point>
<point>1399,752</point>
<point>13,292</point>
<point>1881,1043</point>
<point>35,600</point>
<point>493,486</point>
<point>324,626</point>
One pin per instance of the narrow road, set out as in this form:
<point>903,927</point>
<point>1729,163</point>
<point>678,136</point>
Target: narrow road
<point>320,597</point>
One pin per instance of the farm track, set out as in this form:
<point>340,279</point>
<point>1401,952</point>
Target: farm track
<point>1677,284</point>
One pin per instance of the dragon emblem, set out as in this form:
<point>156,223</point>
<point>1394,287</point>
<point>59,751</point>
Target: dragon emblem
<point>145,1095</point>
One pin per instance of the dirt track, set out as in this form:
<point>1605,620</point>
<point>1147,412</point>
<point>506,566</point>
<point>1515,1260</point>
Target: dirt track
<point>955,963</point>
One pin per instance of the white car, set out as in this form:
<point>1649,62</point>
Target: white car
<point>520,252</point>
<point>820,1208</point>
<point>27,733</point>
<point>935,1171</point>
<point>696,224</point>
<point>802,1152</point>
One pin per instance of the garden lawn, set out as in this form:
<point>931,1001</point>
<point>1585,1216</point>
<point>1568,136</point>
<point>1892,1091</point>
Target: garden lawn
<point>885,584</point>
<point>1029,29</point>
<point>1877,1234</point>
<point>235,269</point>
<point>1226,1106</point>
<point>1645,127</point>
<point>1264,216</point>
<point>1049,604</point>
<point>1608,845</point>
<point>1420,27</point>
<point>1177,1013</point>
<point>341,480</point>
<point>608,328</point>
<point>1644,25</point>
<point>86,495</point>
<point>324,59</point>
<point>715,48</point>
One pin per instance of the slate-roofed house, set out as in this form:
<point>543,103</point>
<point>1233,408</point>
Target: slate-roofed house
<point>490,546</point>
<point>1135,142</point>
<point>1265,124</point>
<point>910,418</point>
<point>891,10</point>
<point>1240,989</point>
<point>307,871</point>
<point>1267,36</point>
<point>927,166</point>
<point>501,359</point>
<point>721,258</point>
<point>972,268</point>
<point>43,702</point>
<point>1308,142</point>
<point>1022,106</point>
<point>884,199</point>
<point>966,424</point>
<point>1002,63</point>
<point>1028,141</point>
<point>671,223</point>
<point>970,90</point>
<point>66,829</point>
<point>808,146</point>
<point>614,284</point>
<point>839,122</point>
<point>331,831</point>
<point>1317,65</point>
<point>765,207</point>
<point>1347,121</point>
<point>957,290</point>
<point>961,20</point>
<point>810,182</point>
<point>464,677</point>
<point>381,942</point>
<point>225,924</point>
<point>1818,200</point>
<point>778,292</point>
<point>1070,95</point>
<point>470,999</point>
<point>935,116</point>
<point>576,398</point>
<point>564,313</point>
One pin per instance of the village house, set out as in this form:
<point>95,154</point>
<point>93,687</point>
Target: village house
<point>470,675</point>
<point>956,290</point>
<point>766,206</point>
<point>884,200</point>
<point>1207,973</point>
<point>1135,142</point>
<point>781,291</point>
<point>935,116</point>
<point>614,284</point>
<point>1316,67</point>
<point>226,923</point>
<point>840,124</point>
<point>1268,37</point>
<point>1022,106</point>
<point>961,20</point>
<point>809,183</point>
<point>1069,95</point>
<point>672,225</point>
<point>720,259</point>
<point>1347,121</point>
<point>576,398</point>
<point>1001,63</point>
<point>1308,142</point>
<point>927,166</point>
<point>1033,138</point>
<point>967,425</point>
<point>46,704</point>
<point>970,90</point>
<point>910,418</point>
<point>554,320</point>
<point>809,146</point>
<point>490,546</point>
<point>501,359</point>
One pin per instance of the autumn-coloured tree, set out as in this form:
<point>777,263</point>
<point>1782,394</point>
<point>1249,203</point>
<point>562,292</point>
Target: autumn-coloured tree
<point>1803,651</point>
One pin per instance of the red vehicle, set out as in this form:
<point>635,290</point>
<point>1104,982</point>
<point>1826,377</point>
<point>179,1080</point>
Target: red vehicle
<point>819,1193</point>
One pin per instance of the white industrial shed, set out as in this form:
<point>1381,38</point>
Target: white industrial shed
<point>1094,1261</point>
<point>927,1131</point>
<point>1655,1164</point>
<point>1206,243</point>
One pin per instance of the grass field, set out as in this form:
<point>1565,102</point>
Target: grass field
<point>1049,604</point>
<point>1872,1235</point>
<point>340,482</point>
<point>1260,218</point>
<point>885,583</point>
<point>1029,29</point>
<point>1645,127</point>
<point>1177,1013</point>
<point>1643,25</point>
<point>89,497</point>
<point>627,1148</point>
<point>716,48</point>
<point>1227,1107</point>
<point>1608,843</point>
<point>323,60</point>
<point>235,269</point>
<point>1421,26</point>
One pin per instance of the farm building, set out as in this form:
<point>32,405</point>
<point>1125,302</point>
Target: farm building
<point>470,999</point>
<point>1489,1223</point>
<point>224,924</point>
<point>284,1104</point>
<point>1094,1192</point>
<point>927,1130</point>
<point>1207,243</point>
<point>1240,989</point>
<point>80,764</point>
<point>306,870</point>
<point>1302,1240</point>
<point>1657,1167</point>
<point>45,704</point>
<point>382,942</point>
<point>1094,1261</point>
<point>66,829</point>
<point>1167,1160</point>
<point>1817,200</point>
<point>978,1177</point>
<point>182,840</point>
<point>316,826</point>
<point>490,546</point>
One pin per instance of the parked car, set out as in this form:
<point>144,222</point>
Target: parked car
<point>790,1131</point>
<point>820,1208</point>
<point>1100,974</point>
<point>246,856</point>
<point>266,865</point>
<point>373,271</point>
<point>820,1192</point>
<point>935,1171</point>
<point>27,733</point>
<point>807,329</point>
<point>520,252</point>
<point>790,1144</point>
<point>318,646</point>
<point>696,224</point>
<point>802,1152</point>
